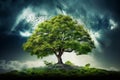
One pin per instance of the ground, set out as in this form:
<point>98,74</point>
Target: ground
<point>61,72</point>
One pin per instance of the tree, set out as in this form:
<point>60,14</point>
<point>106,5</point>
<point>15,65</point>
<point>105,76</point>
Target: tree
<point>58,35</point>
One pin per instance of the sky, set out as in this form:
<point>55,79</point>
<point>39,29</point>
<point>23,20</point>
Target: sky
<point>18,19</point>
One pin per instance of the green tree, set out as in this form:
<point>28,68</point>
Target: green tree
<point>58,35</point>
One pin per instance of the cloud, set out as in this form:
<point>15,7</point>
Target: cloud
<point>17,65</point>
<point>91,16</point>
<point>28,20</point>
<point>113,24</point>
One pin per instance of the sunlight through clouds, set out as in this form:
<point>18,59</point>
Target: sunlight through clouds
<point>25,34</point>
<point>113,24</point>
<point>31,18</point>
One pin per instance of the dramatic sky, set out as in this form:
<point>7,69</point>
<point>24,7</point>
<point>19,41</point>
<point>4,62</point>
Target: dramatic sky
<point>18,19</point>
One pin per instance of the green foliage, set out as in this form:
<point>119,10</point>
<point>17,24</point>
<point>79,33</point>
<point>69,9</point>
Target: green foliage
<point>60,33</point>
<point>48,63</point>
<point>69,63</point>
<point>87,66</point>
<point>45,72</point>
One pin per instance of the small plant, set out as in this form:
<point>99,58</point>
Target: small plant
<point>87,66</point>
<point>69,63</point>
<point>48,63</point>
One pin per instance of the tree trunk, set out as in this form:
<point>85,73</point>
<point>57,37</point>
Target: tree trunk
<point>59,56</point>
<point>59,60</point>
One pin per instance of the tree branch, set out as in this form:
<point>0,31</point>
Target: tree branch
<point>61,52</point>
<point>54,52</point>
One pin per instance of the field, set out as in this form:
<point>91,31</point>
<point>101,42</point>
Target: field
<point>61,72</point>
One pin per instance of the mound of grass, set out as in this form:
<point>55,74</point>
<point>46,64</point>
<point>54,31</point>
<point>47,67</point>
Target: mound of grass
<point>59,71</point>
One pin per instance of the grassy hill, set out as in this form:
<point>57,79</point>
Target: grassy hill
<point>62,72</point>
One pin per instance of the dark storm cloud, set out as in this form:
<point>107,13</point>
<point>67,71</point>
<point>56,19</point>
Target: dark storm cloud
<point>112,6</point>
<point>8,11</point>
<point>10,47</point>
<point>111,52</point>
<point>11,42</point>
<point>110,40</point>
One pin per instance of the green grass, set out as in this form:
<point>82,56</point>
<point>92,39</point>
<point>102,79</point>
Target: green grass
<point>60,72</point>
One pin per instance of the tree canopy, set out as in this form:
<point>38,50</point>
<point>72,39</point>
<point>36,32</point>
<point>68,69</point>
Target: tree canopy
<point>58,35</point>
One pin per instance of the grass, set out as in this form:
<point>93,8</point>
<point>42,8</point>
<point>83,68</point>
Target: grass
<point>63,72</point>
